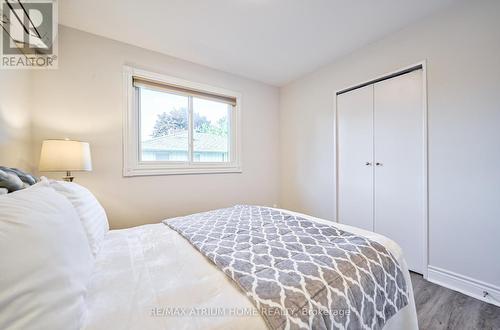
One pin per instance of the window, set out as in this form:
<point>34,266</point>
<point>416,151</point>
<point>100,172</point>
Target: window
<point>174,126</point>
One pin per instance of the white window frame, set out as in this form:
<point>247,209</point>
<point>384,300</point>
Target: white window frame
<point>134,166</point>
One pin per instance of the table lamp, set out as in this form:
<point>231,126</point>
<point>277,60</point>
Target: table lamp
<point>65,156</point>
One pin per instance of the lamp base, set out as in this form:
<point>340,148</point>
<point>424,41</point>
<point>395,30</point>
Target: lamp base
<point>68,177</point>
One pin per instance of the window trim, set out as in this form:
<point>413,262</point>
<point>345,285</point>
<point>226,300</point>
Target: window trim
<point>133,166</point>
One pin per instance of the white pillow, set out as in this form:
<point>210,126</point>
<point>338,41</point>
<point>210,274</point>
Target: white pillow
<point>91,213</point>
<point>45,261</point>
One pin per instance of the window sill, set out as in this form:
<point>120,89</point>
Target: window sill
<point>147,171</point>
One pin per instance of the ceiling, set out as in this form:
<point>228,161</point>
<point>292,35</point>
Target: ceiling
<point>273,41</point>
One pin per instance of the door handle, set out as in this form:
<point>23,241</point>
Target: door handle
<point>378,164</point>
<point>368,164</point>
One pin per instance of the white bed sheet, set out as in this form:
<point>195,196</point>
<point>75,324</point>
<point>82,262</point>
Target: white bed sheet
<point>142,271</point>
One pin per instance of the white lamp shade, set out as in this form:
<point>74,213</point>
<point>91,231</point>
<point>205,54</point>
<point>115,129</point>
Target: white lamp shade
<point>65,155</point>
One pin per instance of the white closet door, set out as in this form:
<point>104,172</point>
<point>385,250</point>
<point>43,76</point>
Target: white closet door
<point>355,150</point>
<point>398,147</point>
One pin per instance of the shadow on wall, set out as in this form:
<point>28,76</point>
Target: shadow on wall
<point>4,130</point>
<point>15,139</point>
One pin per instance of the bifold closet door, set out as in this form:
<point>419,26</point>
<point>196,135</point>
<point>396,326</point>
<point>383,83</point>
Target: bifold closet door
<point>399,164</point>
<point>355,157</point>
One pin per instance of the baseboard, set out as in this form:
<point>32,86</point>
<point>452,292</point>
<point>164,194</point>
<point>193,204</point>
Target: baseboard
<point>464,284</point>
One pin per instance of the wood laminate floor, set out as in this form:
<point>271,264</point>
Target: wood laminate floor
<point>442,308</point>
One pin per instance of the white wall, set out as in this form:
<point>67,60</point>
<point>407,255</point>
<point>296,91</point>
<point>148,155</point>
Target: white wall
<point>15,130</point>
<point>462,47</point>
<point>83,100</point>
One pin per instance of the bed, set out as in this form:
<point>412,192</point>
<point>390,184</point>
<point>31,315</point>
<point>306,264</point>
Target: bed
<point>146,277</point>
<point>160,276</point>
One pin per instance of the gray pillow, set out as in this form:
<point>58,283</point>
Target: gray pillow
<point>25,177</point>
<point>11,181</point>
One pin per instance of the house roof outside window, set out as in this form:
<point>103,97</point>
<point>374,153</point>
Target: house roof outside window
<point>204,142</point>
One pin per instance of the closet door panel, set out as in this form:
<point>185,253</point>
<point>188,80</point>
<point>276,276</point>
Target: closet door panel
<point>398,147</point>
<point>355,149</point>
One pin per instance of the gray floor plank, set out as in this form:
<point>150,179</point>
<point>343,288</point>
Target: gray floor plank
<point>441,308</point>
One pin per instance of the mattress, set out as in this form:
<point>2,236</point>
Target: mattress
<point>149,277</point>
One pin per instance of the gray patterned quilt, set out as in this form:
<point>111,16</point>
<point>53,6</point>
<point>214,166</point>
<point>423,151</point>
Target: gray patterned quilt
<point>299,273</point>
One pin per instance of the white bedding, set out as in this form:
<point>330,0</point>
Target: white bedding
<point>142,271</point>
